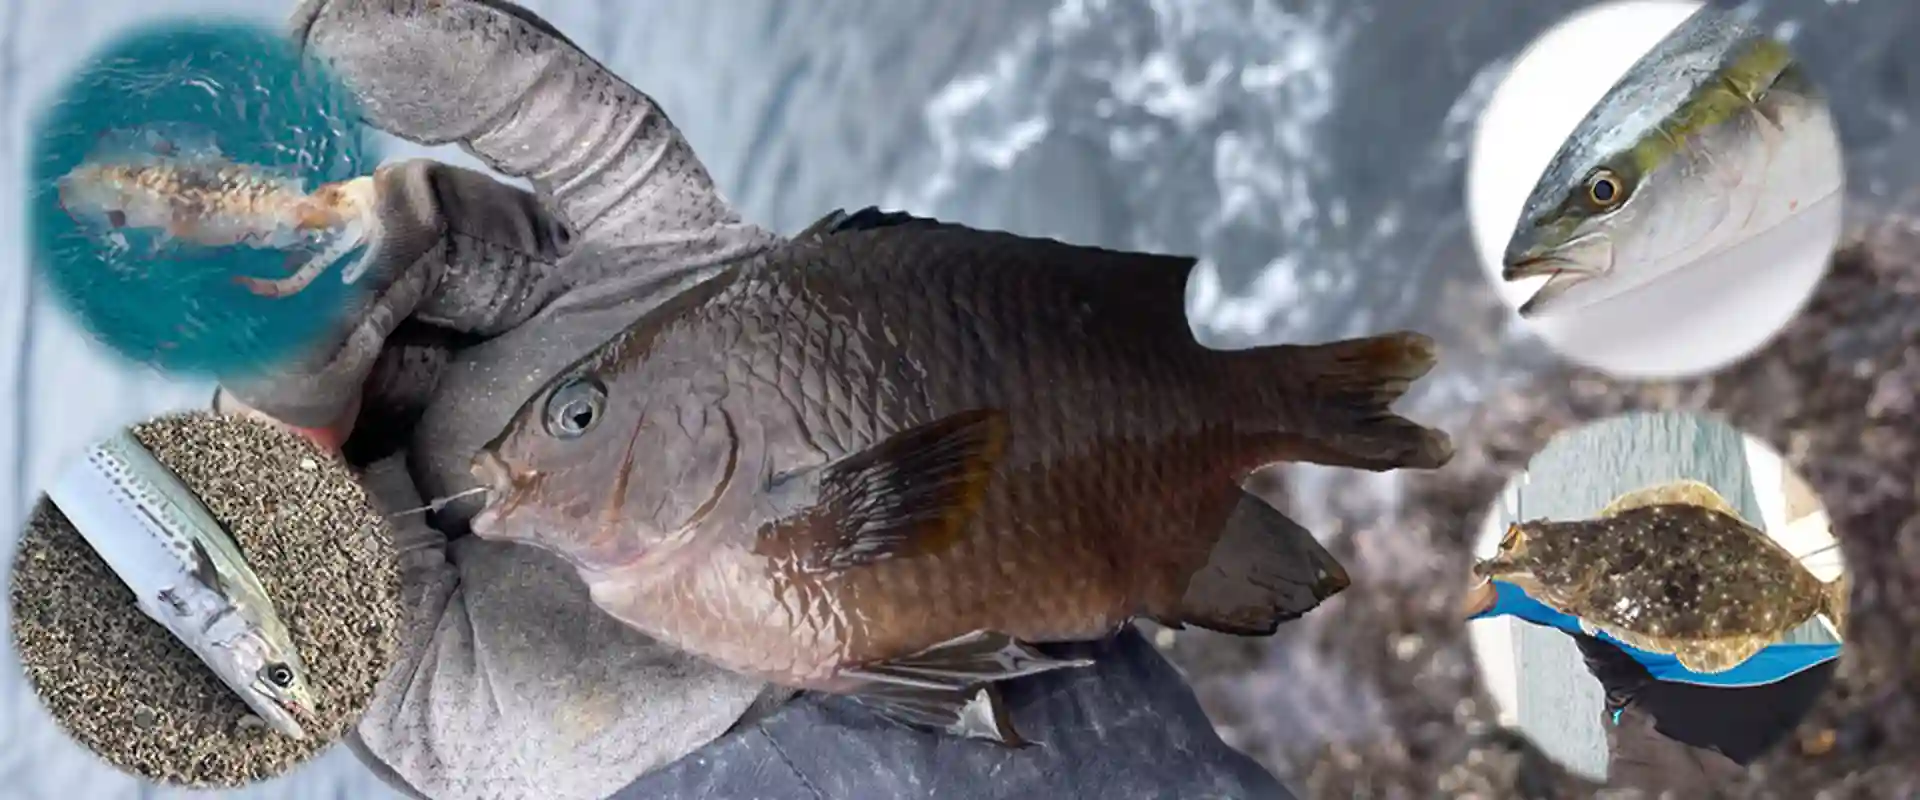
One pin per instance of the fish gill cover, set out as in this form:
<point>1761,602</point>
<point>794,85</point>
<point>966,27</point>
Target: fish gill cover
<point>184,92</point>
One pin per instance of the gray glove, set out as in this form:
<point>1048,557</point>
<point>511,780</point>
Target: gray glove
<point>458,249</point>
<point>510,682</point>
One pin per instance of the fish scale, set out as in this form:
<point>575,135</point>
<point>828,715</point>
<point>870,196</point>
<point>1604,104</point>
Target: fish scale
<point>1045,453</point>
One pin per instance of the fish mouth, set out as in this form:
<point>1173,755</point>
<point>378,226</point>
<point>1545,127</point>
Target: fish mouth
<point>282,715</point>
<point>1537,266</point>
<point>492,472</point>
<point>1544,299</point>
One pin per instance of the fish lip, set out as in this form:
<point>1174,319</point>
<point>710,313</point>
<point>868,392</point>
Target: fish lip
<point>1534,266</point>
<point>1557,284</point>
<point>492,472</point>
<point>283,717</point>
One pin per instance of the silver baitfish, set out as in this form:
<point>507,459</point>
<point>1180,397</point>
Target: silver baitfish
<point>186,573</point>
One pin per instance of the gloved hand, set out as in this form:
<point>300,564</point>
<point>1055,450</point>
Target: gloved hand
<point>512,683</point>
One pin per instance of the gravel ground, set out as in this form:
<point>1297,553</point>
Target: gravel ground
<point>123,686</point>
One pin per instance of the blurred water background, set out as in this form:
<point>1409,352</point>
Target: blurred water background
<point>1310,151</point>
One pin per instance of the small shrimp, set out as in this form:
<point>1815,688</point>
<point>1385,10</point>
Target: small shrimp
<point>209,200</point>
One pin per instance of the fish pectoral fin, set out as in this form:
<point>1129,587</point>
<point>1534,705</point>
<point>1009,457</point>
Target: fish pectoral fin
<point>911,494</point>
<point>951,686</point>
<point>1264,569</point>
<point>205,571</point>
<point>975,712</point>
<point>1681,492</point>
<point>975,658</point>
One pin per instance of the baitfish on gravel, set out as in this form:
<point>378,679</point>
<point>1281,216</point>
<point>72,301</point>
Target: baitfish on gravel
<point>187,574</point>
<point>1672,569</point>
<point>1713,137</point>
<point>887,459</point>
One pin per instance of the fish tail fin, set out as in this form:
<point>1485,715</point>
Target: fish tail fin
<point>1354,385</point>
<point>1265,569</point>
<point>1836,603</point>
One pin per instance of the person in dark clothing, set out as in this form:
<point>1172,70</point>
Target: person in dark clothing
<point>1669,728</point>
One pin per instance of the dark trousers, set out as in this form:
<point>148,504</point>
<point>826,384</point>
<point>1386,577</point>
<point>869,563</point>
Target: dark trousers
<point>1690,740</point>
<point>1641,757</point>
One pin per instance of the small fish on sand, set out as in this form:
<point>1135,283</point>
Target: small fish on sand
<point>890,458</point>
<point>187,574</point>
<point>1713,137</point>
<point>198,196</point>
<point>1671,569</point>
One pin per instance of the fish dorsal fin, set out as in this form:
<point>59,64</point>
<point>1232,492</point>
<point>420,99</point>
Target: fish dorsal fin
<point>866,219</point>
<point>204,570</point>
<point>913,493</point>
<point>1686,492</point>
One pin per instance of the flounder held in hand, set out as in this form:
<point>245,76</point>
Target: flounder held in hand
<point>886,458</point>
<point>1669,569</point>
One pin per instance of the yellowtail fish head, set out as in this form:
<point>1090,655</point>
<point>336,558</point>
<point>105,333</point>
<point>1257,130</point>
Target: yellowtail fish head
<point>1668,167</point>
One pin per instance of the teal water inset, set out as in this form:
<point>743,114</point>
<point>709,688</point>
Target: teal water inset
<point>191,95</point>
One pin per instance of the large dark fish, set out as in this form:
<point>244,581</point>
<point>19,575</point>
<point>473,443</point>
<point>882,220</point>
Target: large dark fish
<point>883,459</point>
<point>1673,569</point>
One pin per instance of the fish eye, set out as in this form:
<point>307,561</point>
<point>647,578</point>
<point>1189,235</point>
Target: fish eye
<point>1604,188</point>
<point>279,675</point>
<point>573,408</point>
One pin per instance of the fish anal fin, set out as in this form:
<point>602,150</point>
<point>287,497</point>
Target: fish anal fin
<point>1680,492</point>
<point>1706,656</point>
<point>1264,570</point>
<point>1651,644</point>
<point>1717,655</point>
<point>950,686</point>
<point>913,493</point>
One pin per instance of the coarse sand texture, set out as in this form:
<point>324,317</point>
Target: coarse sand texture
<point>120,684</point>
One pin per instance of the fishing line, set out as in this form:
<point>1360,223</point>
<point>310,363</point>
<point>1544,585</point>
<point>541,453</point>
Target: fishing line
<point>441,503</point>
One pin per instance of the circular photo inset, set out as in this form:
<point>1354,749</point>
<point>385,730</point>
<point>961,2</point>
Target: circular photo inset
<point>1655,187</point>
<point>1657,601</point>
<point>197,192</point>
<point>205,600</point>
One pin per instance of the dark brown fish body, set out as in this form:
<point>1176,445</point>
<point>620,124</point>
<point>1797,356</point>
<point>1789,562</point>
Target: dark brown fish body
<point>878,440</point>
